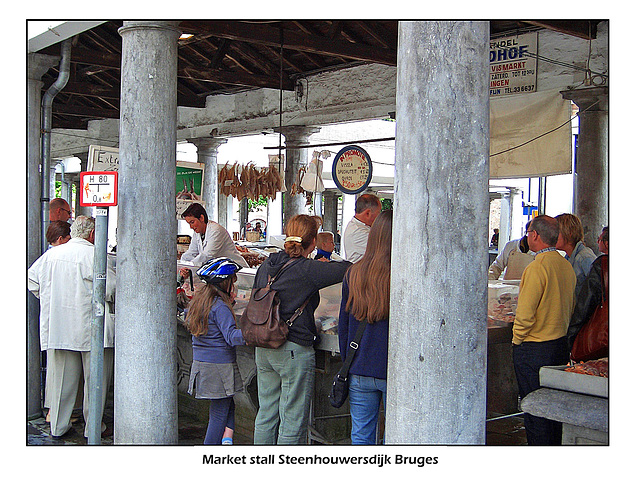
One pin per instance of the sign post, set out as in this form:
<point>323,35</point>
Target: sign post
<point>98,189</point>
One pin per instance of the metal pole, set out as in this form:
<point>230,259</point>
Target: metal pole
<point>47,105</point>
<point>97,326</point>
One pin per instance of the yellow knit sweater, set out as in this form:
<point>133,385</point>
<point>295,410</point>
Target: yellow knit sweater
<point>545,302</point>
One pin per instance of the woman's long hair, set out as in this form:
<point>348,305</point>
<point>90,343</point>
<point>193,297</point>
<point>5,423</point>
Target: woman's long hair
<point>197,321</point>
<point>305,228</point>
<point>369,278</point>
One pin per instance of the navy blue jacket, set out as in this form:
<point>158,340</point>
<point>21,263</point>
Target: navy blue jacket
<point>370,359</point>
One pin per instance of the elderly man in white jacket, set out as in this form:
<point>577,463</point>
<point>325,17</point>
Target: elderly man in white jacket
<point>62,278</point>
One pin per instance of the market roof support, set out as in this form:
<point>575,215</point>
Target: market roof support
<point>145,392</point>
<point>436,390</point>
<point>208,155</point>
<point>591,180</point>
<point>37,65</point>
<point>296,137</point>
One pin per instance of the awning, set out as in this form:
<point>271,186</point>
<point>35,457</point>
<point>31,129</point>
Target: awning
<point>517,120</point>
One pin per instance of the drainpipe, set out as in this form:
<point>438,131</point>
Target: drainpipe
<point>47,103</point>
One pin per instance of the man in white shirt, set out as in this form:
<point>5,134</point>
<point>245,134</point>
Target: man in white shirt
<point>210,239</point>
<point>356,234</point>
<point>62,278</point>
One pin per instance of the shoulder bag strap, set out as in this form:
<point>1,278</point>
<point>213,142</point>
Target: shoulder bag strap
<point>353,347</point>
<point>282,268</point>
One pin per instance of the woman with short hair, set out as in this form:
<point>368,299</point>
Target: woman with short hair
<point>58,232</point>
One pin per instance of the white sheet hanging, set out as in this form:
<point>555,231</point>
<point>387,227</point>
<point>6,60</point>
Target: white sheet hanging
<point>515,120</point>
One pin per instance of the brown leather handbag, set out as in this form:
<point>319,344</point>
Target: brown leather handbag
<point>260,323</point>
<point>592,341</point>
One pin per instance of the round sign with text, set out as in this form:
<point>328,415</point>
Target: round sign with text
<point>352,169</point>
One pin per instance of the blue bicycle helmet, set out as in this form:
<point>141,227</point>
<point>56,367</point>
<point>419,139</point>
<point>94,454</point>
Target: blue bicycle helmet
<point>216,270</point>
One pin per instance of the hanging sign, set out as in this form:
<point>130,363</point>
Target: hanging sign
<point>352,169</point>
<point>98,189</point>
<point>513,64</point>
<point>104,159</point>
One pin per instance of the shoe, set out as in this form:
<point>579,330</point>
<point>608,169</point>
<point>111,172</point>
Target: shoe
<point>66,434</point>
<point>227,441</point>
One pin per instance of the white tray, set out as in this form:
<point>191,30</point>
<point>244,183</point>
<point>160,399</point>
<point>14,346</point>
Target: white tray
<point>556,377</point>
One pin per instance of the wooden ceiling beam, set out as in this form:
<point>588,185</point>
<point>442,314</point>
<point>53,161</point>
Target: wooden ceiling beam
<point>585,29</point>
<point>265,35</point>
<point>84,111</point>
<point>236,78</point>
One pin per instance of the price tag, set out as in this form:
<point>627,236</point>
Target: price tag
<point>98,189</point>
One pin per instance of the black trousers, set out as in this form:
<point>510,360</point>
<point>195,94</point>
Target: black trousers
<point>528,358</point>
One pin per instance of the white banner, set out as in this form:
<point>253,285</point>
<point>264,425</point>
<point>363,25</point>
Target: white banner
<point>516,122</point>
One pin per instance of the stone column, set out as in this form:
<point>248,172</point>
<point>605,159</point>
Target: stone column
<point>330,216</point>
<point>208,155</point>
<point>591,179</point>
<point>37,65</point>
<point>145,400</point>
<point>436,390</point>
<point>296,137</point>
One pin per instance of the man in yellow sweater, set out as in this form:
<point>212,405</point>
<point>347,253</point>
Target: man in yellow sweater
<point>544,309</point>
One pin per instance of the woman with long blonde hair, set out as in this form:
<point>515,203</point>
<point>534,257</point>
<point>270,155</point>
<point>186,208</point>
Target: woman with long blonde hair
<point>286,374</point>
<point>365,298</point>
<point>212,324</point>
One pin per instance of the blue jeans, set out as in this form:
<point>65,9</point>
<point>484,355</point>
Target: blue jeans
<point>285,386</point>
<point>365,394</point>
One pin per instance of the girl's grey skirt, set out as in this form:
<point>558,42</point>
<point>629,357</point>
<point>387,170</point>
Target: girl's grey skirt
<point>214,380</point>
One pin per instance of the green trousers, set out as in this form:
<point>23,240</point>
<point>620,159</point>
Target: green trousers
<point>285,387</point>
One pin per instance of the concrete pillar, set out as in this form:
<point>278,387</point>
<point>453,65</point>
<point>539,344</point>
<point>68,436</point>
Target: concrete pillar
<point>145,387</point>
<point>208,154</point>
<point>591,177</point>
<point>296,157</point>
<point>330,214</point>
<point>225,206</point>
<point>436,390</point>
<point>37,65</point>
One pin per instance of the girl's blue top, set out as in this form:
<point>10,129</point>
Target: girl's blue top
<point>218,344</point>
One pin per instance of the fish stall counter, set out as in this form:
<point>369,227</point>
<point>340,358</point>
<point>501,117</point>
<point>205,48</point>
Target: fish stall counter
<point>331,425</point>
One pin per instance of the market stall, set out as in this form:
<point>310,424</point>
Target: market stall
<point>331,425</point>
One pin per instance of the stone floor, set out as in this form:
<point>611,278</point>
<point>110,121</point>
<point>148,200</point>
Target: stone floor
<point>191,430</point>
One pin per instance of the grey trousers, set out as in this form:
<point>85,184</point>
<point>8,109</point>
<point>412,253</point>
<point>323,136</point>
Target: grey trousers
<point>66,369</point>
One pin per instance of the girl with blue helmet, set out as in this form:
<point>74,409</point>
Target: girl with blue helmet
<point>214,372</point>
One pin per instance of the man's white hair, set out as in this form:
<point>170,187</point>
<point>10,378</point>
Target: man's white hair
<point>82,227</point>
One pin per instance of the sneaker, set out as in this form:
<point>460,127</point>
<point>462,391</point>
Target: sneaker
<point>227,441</point>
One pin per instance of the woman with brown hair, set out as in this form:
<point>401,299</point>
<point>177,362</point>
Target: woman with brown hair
<point>286,374</point>
<point>570,241</point>
<point>365,298</point>
<point>212,324</point>
<point>58,233</point>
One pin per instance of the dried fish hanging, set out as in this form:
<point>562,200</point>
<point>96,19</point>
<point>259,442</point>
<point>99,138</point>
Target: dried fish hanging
<point>249,181</point>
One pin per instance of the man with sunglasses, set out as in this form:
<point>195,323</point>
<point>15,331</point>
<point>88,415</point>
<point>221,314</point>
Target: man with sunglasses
<point>59,210</point>
<point>545,304</point>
